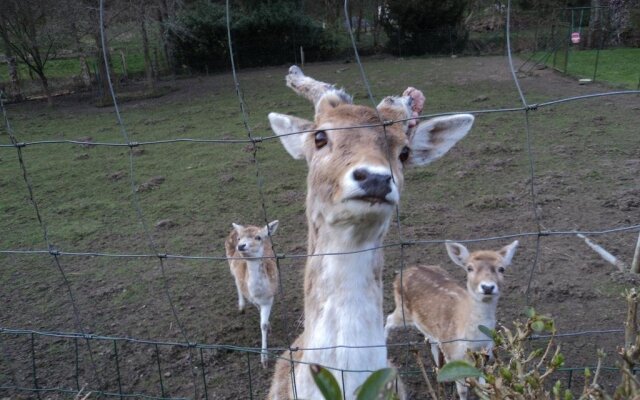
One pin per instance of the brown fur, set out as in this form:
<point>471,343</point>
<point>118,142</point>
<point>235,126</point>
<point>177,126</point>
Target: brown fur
<point>351,158</point>
<point>239,267</point>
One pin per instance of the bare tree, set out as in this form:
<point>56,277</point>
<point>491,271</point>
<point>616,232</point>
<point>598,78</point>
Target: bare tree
<point>14,90</point>
<point>166,12</point>
<point>141,9</point>
<point>29,28</point>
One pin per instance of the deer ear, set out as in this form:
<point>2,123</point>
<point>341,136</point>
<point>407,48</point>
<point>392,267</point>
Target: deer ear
<point>271,227</point>
<point>237,227</point>
<point>507,253</point>
<point>433,138</point>
<point>458,253</point>
<point>287,127</point>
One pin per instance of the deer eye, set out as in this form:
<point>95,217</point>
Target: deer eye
<point>258,238</point>
<point>404,154</point>
<point>469,269</point>
<point>321,139</point>
<point>501,269</point>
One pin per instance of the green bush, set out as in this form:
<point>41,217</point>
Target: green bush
<point>267,34</point>
<point>416,27</point>
<point>200,37</point>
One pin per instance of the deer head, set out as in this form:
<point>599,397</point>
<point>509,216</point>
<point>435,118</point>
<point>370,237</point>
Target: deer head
<point>356,164</point>
<point>485,268</point>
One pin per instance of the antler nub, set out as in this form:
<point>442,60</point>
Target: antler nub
<point>314,90</point>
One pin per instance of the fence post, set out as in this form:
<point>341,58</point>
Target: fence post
<point>33,365</point>
<point>635,264</point>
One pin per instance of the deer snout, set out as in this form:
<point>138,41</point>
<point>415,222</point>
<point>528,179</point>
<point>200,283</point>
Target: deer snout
<point>374,185</point>
<point>242,247</point>
<point>488,288</point>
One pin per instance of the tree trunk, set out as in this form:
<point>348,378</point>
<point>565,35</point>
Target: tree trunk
<point>166,12</point>
<point>595,24</point>
<point>622,14</point>
<point>148,67</point>
<point>376,25</point>
<point>359,24</point>
<point>45,86</point>
<point>85,74</point>
<point>104,96</point>
<point>14,79</point>
<point>14,90</point>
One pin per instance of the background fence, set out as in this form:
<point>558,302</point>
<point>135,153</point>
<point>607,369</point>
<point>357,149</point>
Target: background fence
<point>98,361</point>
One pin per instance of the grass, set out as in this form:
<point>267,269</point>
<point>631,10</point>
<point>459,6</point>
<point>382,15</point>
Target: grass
<point>65,68</point>
<point>620,67</point>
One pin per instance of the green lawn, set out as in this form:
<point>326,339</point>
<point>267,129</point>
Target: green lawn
<point>70,67</point>
<point>617,66</point>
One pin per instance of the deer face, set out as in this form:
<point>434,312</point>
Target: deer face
<point>251,239</point>
<point>485,269</point>
<point>356,165</point>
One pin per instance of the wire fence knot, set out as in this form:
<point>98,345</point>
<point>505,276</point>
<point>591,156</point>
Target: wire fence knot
<point>133,144</point>
<point>53,251</point>
<point>531,107</point>
<point>20,144</point>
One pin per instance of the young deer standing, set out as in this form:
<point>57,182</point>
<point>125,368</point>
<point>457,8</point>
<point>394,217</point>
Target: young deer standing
<point>444,311</point>
<point>256,277</point>
<point>353,187</point>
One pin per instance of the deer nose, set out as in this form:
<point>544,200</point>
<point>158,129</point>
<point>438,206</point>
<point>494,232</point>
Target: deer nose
<point>373,184</point>
<point>487,289</point>
<point>242,247</point>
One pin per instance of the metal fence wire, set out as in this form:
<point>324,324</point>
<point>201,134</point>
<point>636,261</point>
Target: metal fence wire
<point>83,345</point>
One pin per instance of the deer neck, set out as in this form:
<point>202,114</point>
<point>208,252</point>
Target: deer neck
<point>480,313</point>
<point>343,289</point>
<point>255,273</point>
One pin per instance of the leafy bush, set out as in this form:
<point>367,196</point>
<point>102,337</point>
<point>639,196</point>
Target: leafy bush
<point>200,36</point>
<point>380,385</point>
<point>519,373</point>
<point>267,34</point>
<point>417,27</point>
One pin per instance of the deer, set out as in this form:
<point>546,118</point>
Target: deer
<point>447,314</point>
<point>356,157</point>
<point>253,266</point>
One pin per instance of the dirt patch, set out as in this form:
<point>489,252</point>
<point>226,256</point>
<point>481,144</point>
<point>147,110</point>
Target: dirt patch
<point>151,184</point>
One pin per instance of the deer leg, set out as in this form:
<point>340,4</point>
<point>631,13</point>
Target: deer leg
<point>241,302</point>
<point>463,390</point>
<point>265,311</point>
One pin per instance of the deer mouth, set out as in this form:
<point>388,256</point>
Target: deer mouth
<point>372,200</point>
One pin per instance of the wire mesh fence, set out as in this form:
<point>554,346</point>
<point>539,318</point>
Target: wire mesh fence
<point>101,364</point>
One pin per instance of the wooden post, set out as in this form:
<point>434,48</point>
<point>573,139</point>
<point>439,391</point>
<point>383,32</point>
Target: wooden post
<point>123,60</point>
<point>630,352</point>
<point>301,56</point>
<point>635,264</point>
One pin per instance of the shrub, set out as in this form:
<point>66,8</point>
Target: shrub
<point>417,27</point>
<point>268,34</point>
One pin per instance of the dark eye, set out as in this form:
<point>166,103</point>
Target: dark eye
<point>321,139</point>
<point>469,269</point>
<point>258,238</point>
<point>404,154</point>
<point>501,270</point>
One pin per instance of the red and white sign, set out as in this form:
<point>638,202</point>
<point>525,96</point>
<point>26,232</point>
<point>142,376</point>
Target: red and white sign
<point>575,37</point>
